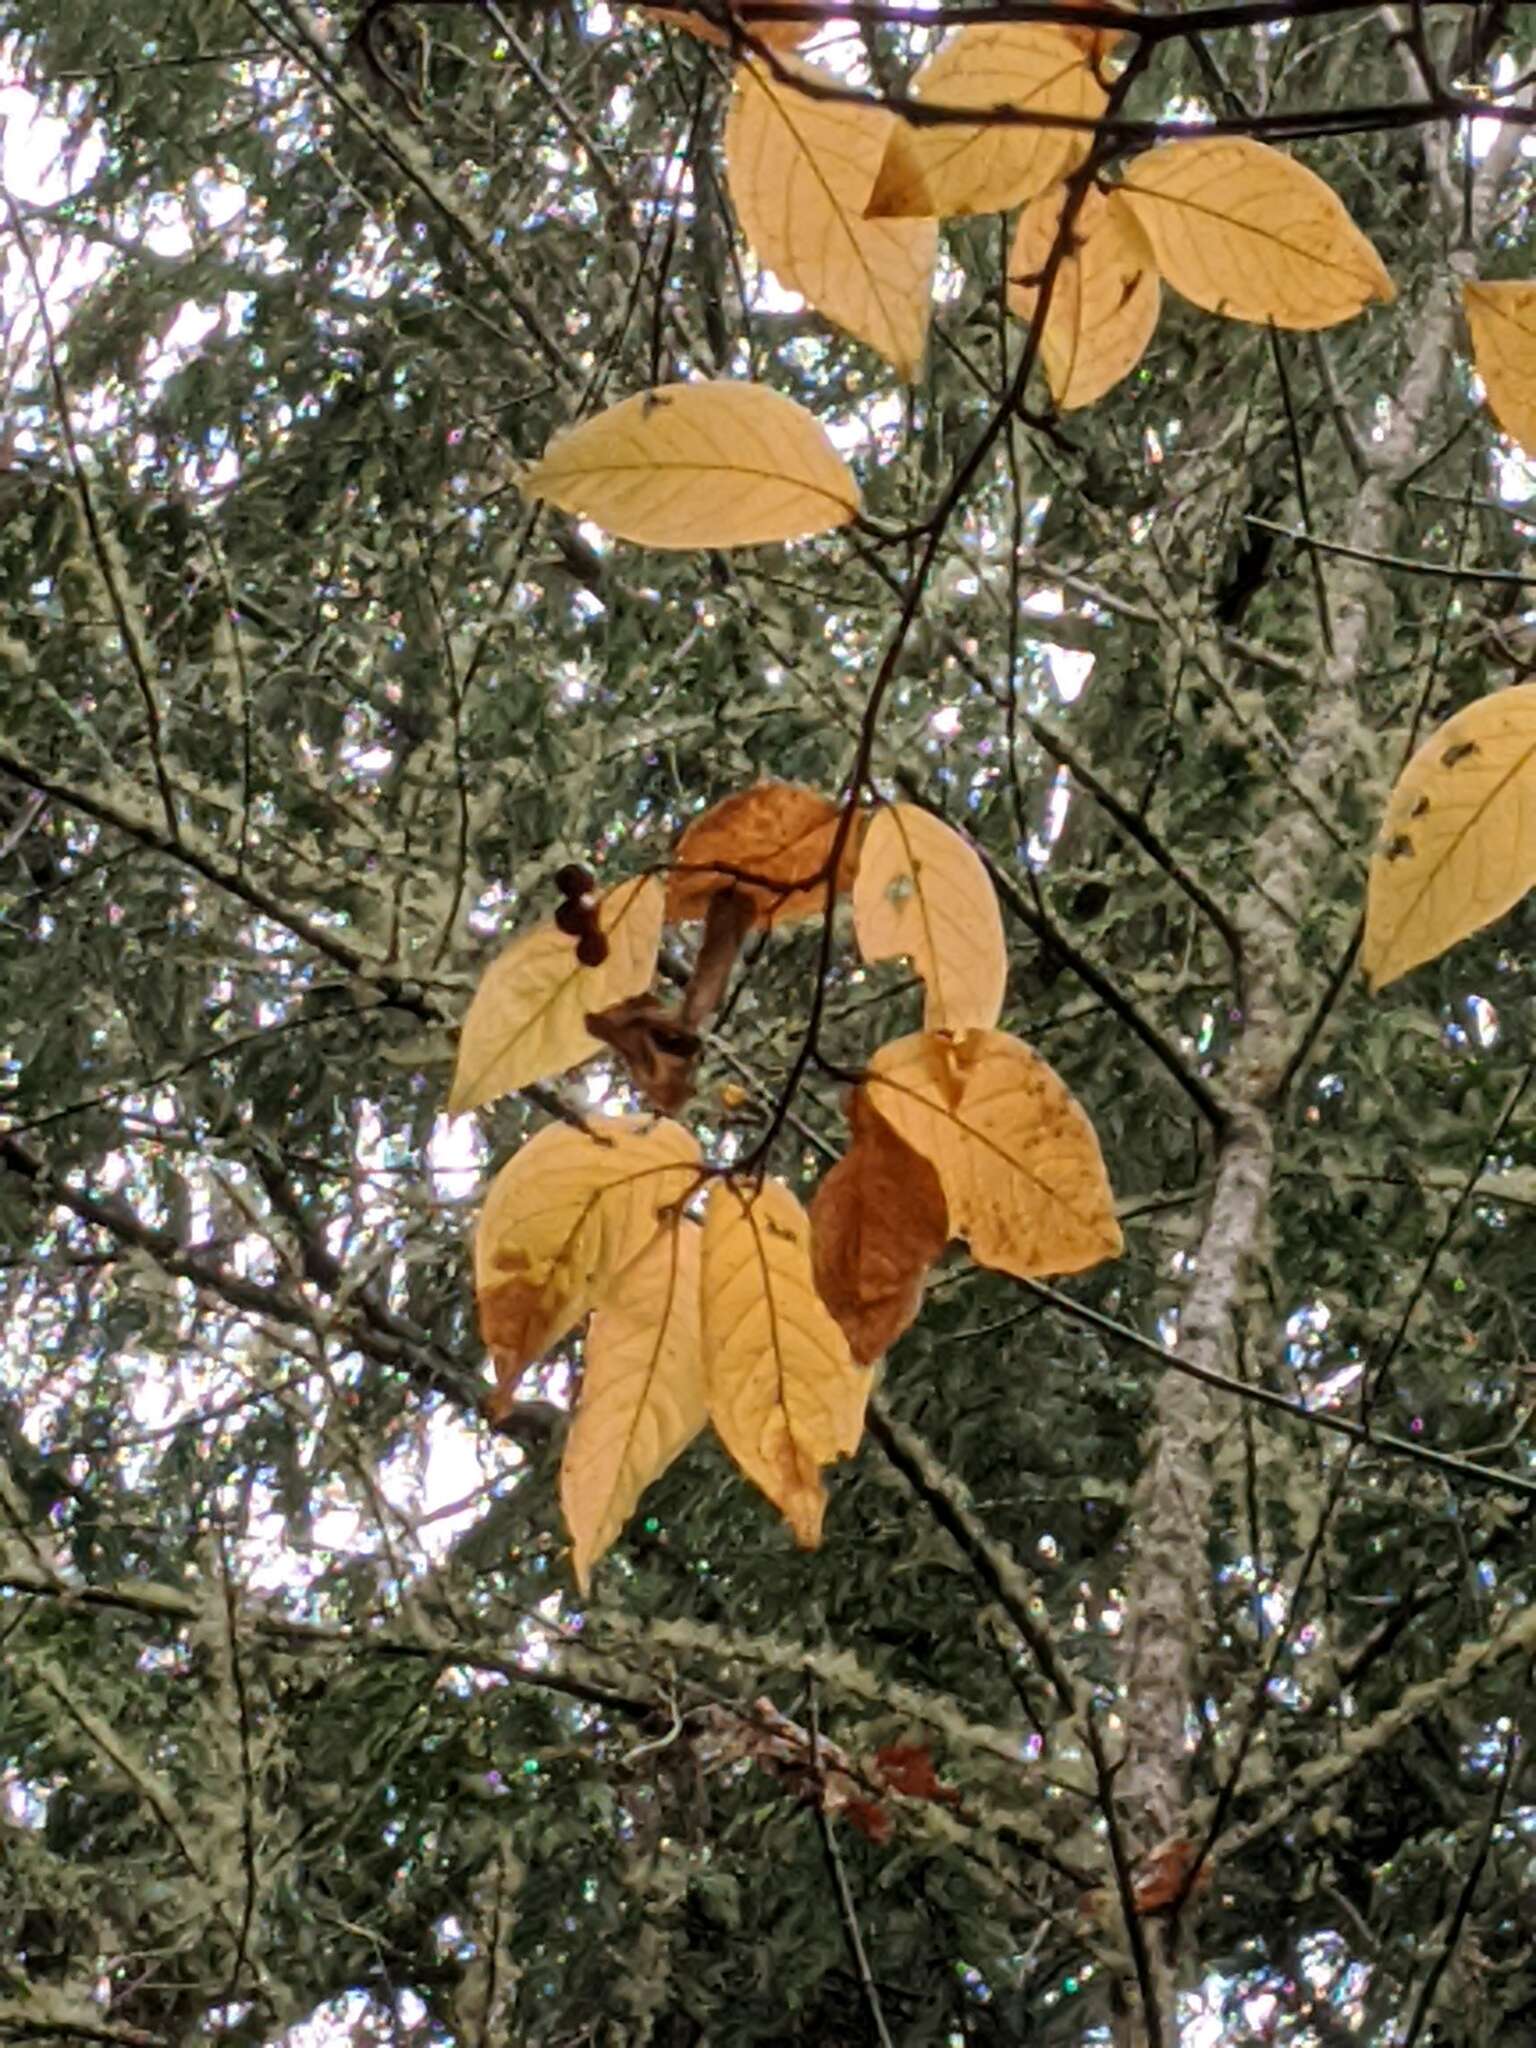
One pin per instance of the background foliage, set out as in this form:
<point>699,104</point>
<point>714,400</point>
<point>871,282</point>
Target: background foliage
<point>302,1727</point>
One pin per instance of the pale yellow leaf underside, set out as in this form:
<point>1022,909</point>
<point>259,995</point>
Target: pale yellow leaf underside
<point>564,1216</point>
<point>955,168</point>
<point>642,1391</point>
<point>1017,1157</point>
<point>800,171</point>
<point>525,1022</point>
<point>1105,296</point>
<point>921,891</point>
<point>784,1393</point>
<point>1502,321</point>
<point>707,465</point>
<point>1246,232</point>
<point>1458,843</point>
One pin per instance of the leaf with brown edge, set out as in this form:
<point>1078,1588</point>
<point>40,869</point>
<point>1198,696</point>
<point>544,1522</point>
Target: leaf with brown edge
<point>642,1391</point>
<point>957,168</point>
<point>561,1221</point>
<point>785,1396</point>
<point>1458,843</point>
<point>800,170</point>
<point>1105,297</point>
<point>1501,319</point>
<point>707,465</point>
<point>1247,232</point>
<point>878,1223</point>
<point>1018,1160</point>
<point>777,833</point>
<point>921,891</point>
<point>527,1019</point>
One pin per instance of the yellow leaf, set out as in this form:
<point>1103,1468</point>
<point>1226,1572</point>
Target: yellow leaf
<point>1242,230</point>
<point>953,168</point>
<point>1502,321</point>
<point>800,171</point>
<point>563,1217</point>
<point>1458,843</point>
<point>878,1222</point>
<point>1105,298</point>
<point>784,1394</point>
<point>707,465</point>
<point>525,1022</point>
<point>642,1391</point>
<point>779,833</point>
<point>921,890</point>
<point>1018,1159</point>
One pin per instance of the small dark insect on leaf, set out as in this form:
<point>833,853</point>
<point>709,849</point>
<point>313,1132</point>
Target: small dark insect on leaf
<point>574,880</point>
<point>1457,753</point>
<point>592,948</point>
<point>1398,848</point>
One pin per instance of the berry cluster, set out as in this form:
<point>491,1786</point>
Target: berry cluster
<point>577,915</point>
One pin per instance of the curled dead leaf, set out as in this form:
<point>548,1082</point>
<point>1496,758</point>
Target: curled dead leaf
<point>659,1051</point>
<point>1162,1877</point>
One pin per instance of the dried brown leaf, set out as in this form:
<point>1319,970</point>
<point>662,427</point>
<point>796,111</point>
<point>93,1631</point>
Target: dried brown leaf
<point>878,1223</point>
<point>777,833</point>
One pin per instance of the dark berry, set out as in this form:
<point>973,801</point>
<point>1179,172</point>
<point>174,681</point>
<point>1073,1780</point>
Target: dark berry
<point>572,880</point>
<point>572,917</point>
<point>592,948</point>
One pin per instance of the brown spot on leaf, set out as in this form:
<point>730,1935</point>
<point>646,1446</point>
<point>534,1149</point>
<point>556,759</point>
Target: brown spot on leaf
<point>1420,807</point>
<point>1399,847</point>
<point>1458,752</point>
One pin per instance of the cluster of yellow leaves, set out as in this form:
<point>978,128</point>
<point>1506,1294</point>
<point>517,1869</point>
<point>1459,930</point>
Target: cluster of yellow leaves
<point>763,1319</point>
<point>842,200</point>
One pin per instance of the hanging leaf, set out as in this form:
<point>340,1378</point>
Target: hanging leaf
<point>707,465</point>
<point>1105,298</point>
<point>784,1395</point>
<point>759,25</point>
<point>563,1217</point>
<point>1502,321</point>
<point>526,1020</point>
<point>1458,843</point>
<point>779,834</point>
<point>922,891</point>
<point>800,171</point>
<point>955,168</point>
<point>878,1222</point>
<point>642,1391</point>
<point>1017,1157</point>
<point>1244,231</point>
